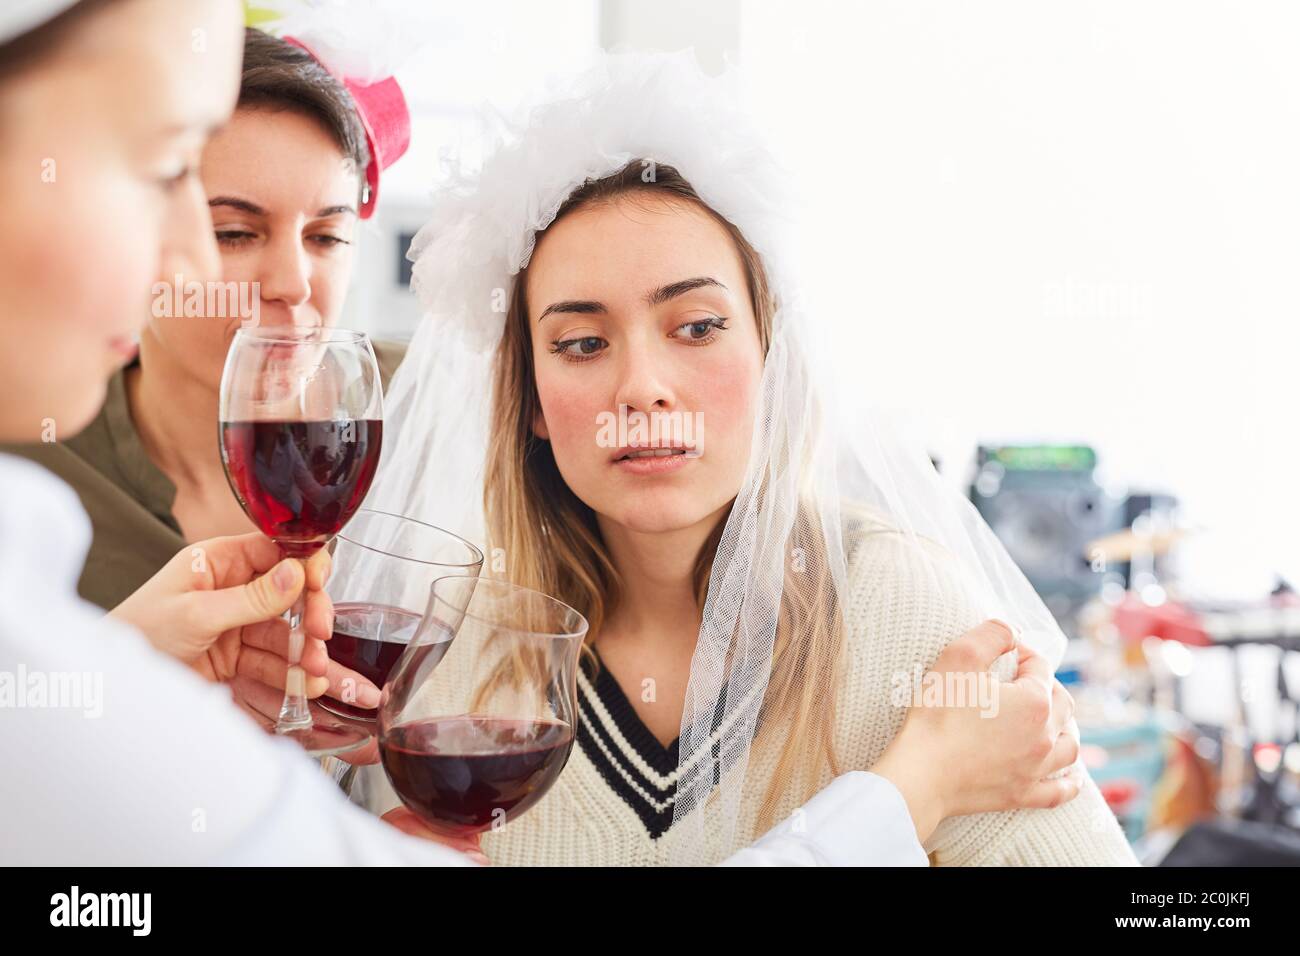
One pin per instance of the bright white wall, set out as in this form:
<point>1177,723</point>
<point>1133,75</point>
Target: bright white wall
<point>1081,222</point>
<point>1029,220</point>
<point>470,55</point>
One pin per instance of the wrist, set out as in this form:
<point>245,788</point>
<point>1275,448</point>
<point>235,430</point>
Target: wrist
<point>917,777</point>
<point>149,615</point>
<point>126,614</point>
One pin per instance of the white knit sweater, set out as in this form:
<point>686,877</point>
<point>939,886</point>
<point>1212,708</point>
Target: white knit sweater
<point>905,603</point>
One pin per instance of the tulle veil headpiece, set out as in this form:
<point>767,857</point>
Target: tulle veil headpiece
<point>807,471</point>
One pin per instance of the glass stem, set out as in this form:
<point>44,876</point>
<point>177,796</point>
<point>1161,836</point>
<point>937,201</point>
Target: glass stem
<point>294,715</point>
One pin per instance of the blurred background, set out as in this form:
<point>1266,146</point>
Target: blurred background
<point>1058,245</point>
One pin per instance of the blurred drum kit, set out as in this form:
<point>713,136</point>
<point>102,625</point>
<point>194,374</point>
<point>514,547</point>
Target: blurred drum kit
<point>1105,567</point>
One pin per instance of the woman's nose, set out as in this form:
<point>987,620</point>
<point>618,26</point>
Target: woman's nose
<point>643,384</point>
<point>285,275</point>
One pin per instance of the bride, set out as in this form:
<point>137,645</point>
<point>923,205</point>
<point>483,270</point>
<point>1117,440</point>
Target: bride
<point>759,583</point>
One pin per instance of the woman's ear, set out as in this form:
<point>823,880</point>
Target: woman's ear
<point>539,425</point>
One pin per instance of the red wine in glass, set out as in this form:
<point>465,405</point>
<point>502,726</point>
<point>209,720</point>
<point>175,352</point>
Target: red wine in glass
<point>460,774</point>
<point>300,481</point>
<point>369,639</point>
<point>300,410</point>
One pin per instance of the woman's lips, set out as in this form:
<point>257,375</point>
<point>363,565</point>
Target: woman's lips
<point>654,461</point>
<point>124,347</point>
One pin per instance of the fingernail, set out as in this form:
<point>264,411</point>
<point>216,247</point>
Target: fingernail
<point>368,696</point>
<point>1013,628</point>
<point>284,576</point>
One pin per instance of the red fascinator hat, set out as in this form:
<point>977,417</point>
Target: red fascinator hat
<point>387,121</point>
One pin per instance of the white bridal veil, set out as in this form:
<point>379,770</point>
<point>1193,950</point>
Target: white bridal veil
<point>806,470</point>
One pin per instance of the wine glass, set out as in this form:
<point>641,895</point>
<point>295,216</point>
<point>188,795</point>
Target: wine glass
<point>301,415</point>
<point>384,565</point>
<point>478,718</point>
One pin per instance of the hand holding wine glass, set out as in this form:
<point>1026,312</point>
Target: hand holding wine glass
<point>301,426</point>
<point>383,566</point>
<point>217,603</point>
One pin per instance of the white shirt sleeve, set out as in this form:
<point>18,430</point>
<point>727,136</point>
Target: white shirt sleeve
<point>117,755</point>
<point>859,819</point>
<point>158,766</point>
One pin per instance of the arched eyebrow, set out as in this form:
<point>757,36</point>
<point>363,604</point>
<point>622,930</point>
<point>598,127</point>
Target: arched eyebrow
<point>253,209</point>
<point>673,290</point>
<point>575,306</point>
<point>656,297</point>
<point>234,202</point>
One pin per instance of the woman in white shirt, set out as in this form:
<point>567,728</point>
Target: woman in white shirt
<point>104,122</point>
<point>106,105</point>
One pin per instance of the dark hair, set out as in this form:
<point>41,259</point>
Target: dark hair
<point>280,76</point>
<point>28,49</point>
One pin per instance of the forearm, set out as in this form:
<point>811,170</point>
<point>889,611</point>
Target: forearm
<point>204,786</point>
<point>913,776</point>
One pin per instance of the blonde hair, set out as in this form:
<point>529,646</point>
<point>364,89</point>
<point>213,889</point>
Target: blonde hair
<point>555,546</point>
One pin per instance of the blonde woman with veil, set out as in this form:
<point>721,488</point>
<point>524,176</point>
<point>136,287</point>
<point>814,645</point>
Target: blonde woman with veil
<point>764,585</point>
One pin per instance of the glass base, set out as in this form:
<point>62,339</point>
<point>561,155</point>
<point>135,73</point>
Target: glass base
<point>328,736</point>
<point>323,739</point>
<point>329,705</point>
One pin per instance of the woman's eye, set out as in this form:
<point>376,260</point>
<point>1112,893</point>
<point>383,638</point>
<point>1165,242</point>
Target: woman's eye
<point>579,349</point>
<point>701,330</point>
<point>233,238</point>
<point>330,241</point>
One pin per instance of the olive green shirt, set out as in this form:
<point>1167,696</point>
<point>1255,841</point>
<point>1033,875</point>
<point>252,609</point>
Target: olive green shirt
<point>128,498</point>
